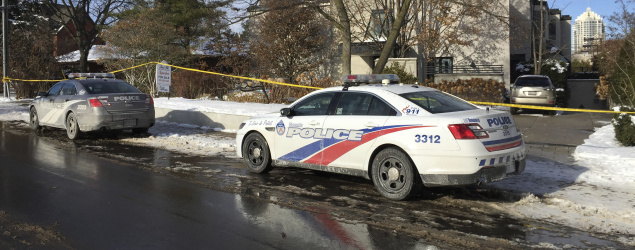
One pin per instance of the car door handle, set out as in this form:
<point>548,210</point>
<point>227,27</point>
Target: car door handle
<point>314,123</point>
<point>371,125</point>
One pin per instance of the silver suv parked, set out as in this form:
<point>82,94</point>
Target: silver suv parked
<point>533,90</point>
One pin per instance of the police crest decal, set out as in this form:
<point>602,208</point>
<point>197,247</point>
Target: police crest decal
<point>280,128</point>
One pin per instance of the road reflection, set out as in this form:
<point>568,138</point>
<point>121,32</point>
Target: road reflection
<point>320,229</point>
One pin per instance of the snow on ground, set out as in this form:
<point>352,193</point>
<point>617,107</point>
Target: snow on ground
<point>215,106</point>
<point>596,194</point>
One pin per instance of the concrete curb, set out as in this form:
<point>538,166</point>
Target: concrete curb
<point>198,118</point>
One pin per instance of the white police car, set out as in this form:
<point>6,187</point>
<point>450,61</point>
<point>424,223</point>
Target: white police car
<point>399,136</point>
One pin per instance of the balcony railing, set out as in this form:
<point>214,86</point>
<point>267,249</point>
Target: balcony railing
<point>468,69</point>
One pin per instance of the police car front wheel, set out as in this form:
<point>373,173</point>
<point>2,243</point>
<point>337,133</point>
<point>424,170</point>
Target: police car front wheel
<point>394,175</point>
<point>256,153</point>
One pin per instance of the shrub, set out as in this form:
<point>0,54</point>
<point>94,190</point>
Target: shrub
<point>475,89</point>
<point>279,93</point>
<point>397,69</point>
<point>624,128</point>
<point>192,85</point>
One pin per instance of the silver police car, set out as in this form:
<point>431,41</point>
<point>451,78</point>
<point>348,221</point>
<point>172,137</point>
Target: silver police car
<point>92,102</point>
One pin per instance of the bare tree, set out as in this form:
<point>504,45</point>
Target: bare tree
<point>84,19</point>
<point>617,59</point>
<point>287,39</point>
<point>31,46</point>
<point>144,37</point>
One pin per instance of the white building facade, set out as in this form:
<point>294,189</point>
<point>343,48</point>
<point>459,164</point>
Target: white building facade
<point>588,30</point>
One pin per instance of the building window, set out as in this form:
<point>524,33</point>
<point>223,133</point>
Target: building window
<point>378,25</point>
<point>441,65</point>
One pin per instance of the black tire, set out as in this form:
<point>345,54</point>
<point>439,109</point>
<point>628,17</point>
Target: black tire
<point>34,120</point>
<point>72,128</point>
<point>394,175</point>
<point>513,110</point>
<point>256,153</point>
<point>140,131</point>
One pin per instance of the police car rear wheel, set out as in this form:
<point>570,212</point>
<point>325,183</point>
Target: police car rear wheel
<point>394,175</point>
<point>34,121</point>
<point>256,153</point>
<point>72,128</point>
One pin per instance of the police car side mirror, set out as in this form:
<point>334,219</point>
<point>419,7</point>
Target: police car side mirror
<point>285,112</point>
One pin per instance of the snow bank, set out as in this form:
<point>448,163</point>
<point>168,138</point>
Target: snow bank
<point>217,106</point>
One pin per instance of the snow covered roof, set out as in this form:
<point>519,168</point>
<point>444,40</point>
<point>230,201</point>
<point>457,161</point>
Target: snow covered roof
<point>94,54</point>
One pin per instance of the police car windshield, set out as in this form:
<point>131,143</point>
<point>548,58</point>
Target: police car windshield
<point>438,102</point>
<point>102,87</point>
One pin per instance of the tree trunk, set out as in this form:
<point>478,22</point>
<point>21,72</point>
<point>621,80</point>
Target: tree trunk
<point>346,36</point>
<point>541,36</point>
<point>392,38</point>
<point>83,60</point>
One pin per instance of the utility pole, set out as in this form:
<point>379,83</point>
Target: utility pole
<point>5,46</point>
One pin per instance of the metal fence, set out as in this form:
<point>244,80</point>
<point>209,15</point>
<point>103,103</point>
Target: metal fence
<point>469,69</point>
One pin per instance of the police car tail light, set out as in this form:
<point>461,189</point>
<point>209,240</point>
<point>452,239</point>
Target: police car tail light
<point>467,131</point>
<point>478,131</point>
<point>95,103</point>
<point>149,100</point>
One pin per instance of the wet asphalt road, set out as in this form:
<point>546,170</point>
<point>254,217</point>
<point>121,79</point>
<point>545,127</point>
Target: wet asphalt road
<point>98,194</point>
<point>98,203</point>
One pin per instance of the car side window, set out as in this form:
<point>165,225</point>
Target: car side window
<point>354,103</point>
<point>380,108</point>
<point>69,89</point>
<point>314,105</point>
<point>55,90</point>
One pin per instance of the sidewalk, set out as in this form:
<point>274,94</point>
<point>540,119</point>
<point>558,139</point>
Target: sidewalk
<point>556,137</point>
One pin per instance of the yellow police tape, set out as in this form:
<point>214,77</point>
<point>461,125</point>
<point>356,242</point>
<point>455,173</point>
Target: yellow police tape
<point>241,77</point>
<point>551,108</point>
<point>7,79</point>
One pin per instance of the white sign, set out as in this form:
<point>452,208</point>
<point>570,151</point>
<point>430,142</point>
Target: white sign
<point>164,78</point>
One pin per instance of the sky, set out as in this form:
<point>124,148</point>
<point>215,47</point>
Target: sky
<point>575,8</point>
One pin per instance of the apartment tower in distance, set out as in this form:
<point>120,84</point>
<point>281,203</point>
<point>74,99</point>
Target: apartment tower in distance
<point>588,31</point>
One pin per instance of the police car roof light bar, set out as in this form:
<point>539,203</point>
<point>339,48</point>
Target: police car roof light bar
<point>369,78</point>
<point>91,75</point>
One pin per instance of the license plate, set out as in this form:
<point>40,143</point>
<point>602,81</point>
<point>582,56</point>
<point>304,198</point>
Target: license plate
<point>510,167</point>
<point>532,92</point>
<point>130,122</point>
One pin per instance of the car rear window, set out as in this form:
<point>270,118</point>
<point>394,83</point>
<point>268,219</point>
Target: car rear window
<point>108,87</point>
<point>438,102</point>
<point>533,82</point>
